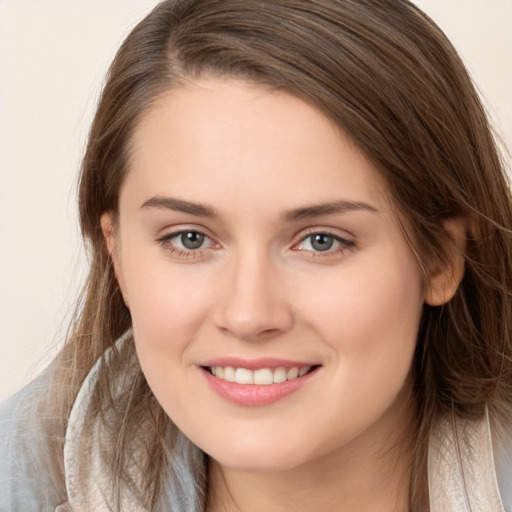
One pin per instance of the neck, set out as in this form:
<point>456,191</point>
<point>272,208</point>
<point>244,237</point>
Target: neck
<point>372,474</point>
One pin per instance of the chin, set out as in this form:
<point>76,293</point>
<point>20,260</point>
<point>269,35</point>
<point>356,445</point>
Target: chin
<point>258,459</point>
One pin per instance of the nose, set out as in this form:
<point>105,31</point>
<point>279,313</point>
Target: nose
<point>253,304</point>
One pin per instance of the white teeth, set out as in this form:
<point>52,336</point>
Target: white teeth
<point>244,376</point>
<point>229,374</point>
<point>262,376</point>
<point>292,373</point>
<point>279,375</point>
<point>304,370</point>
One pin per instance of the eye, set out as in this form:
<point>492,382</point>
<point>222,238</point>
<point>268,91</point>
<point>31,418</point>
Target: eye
<point>186,242</point>
<point>191,239</point>
<point>321,242</point>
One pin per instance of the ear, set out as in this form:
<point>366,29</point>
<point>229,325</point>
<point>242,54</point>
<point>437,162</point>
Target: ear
<point>444,281</point>
<point>107,227</point>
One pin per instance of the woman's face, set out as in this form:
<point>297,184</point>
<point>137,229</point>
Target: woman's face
<point>257,243</point>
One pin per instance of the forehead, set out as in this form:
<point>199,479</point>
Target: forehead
<point>242,141</point>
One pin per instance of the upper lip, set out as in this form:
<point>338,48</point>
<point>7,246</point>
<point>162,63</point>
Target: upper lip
<point>255,364</point>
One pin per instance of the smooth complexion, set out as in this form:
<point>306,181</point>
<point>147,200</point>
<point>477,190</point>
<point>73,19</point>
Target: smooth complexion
<point>252,232</point>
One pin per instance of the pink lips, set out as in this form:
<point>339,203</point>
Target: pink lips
<point>254,395</point>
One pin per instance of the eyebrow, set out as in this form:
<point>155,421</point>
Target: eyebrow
<point>330,208</point>
<point>178,205</point>
<point>201,210</point>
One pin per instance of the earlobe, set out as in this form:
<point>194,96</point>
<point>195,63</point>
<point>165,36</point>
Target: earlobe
<point>107,227</point>
<point>444,281</point>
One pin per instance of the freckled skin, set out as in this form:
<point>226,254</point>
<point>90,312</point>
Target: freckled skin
<point>258,286</point>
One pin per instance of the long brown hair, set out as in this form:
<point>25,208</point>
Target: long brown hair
<point>387,75</point>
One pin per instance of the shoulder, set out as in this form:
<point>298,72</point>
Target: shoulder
<point>502,452</point>
<point>25,484</point>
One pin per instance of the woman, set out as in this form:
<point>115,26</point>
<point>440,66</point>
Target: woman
<point>299,295</point>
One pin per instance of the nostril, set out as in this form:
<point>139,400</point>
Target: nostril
<point>268,333</point>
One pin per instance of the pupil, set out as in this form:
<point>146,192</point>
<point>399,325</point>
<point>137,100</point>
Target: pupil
<point>192,240</point>
<point>322,242</point>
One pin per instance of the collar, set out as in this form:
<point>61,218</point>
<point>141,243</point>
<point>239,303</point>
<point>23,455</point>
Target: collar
<point>87,476</point>
<point>461,468</point>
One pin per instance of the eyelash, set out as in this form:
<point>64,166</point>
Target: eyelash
<point>344,244</point>
<point>166,242</point>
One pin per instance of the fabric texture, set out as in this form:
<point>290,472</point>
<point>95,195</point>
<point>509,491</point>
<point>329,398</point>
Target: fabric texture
<point>462,474</point>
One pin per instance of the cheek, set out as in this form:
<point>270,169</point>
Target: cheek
<point>168,313</point>
<point>369,319</point>
<point>369,316</point>
<point>382,292</point>
<point>167,306</point>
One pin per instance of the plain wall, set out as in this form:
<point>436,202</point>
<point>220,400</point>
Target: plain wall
<point>53,57</point>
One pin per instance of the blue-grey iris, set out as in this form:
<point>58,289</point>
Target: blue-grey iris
<point>192,239</point>
<point>321,242</point>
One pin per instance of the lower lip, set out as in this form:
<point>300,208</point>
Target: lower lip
<point>254,395</point>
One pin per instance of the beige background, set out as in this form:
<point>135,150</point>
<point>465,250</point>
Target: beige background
<point>53,56</point>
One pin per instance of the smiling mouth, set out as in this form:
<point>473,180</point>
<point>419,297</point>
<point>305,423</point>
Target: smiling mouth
<point>261,376</point>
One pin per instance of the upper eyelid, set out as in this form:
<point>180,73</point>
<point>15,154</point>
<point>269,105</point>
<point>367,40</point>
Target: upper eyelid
<point>167,237</point>
<point>334,232</point>
<point>338,238</point>
<point>172,233</point>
